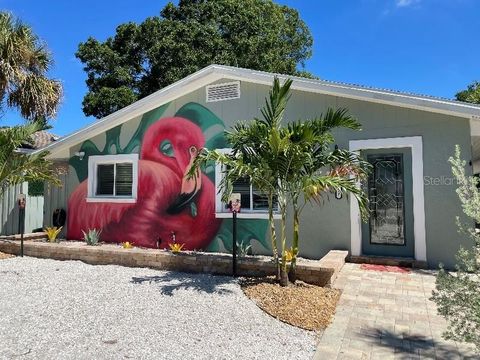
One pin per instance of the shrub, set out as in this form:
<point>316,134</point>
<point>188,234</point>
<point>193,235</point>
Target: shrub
<point>243,249</point>
<point>36,188</point>
<point>52,233</point>
<point>92,237</point>
<point>127,245</point>
<point>457,293</point>
<point>176,247</point>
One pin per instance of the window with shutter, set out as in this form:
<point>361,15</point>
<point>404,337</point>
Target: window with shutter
<point>254,203</point>
<point>123,179</point>
<point>112,178</point>
<point>105,177</point>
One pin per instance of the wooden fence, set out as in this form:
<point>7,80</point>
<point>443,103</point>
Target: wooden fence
<point>9,210</point>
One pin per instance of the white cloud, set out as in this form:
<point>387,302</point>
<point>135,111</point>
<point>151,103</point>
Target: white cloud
<point>405,3</point>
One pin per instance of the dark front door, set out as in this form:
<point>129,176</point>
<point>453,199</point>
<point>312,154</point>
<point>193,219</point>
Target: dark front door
<point>389,230</point>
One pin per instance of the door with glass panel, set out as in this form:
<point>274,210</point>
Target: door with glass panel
<point>389,230</point>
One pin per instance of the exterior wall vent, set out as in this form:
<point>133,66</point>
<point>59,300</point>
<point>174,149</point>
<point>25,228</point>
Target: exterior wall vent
<point>224,91</point>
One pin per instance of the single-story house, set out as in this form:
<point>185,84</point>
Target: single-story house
<point>125,173</point>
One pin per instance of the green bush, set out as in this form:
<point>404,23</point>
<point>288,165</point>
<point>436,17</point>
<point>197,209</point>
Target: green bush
<point>457,293</point>
<point>36,188</point>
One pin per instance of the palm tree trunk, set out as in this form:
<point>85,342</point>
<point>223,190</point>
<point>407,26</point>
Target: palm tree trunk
<point>273,236</point>
<point>283,269</point>
<point>292,273</point>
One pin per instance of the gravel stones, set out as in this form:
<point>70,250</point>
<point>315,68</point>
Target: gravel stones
<point>70,310</point>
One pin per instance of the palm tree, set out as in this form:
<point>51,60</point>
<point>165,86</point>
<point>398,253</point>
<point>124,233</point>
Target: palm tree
<point>17,166</point>
<point>316,170</point>
<point>285,162</point>
<point>24,62</point>
<point>259,154</point>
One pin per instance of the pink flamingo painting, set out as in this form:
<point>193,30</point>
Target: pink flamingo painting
<point>167,201</point>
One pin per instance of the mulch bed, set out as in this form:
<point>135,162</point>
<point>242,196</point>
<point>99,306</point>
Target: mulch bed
<point>5,256</point>
<point>306,306</point>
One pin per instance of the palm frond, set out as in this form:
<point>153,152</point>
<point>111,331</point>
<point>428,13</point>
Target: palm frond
<point>24,62</point>
<point>16,167</point>
<point>332,119</point>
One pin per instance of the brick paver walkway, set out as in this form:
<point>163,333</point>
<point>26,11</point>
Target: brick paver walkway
<point>386,315</point>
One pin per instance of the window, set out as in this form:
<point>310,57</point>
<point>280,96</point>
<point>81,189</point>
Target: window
<point>112,178</point>
<point>254,202</point>
<point>251,198</point>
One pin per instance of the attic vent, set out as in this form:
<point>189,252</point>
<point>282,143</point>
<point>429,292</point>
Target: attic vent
<point>225,91</point>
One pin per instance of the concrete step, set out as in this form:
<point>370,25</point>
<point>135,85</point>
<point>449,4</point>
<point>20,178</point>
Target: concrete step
<point>389,261</point>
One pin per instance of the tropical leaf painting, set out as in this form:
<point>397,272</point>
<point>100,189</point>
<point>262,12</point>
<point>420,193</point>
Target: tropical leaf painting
<point>112,143</point>
<point>213,129</point>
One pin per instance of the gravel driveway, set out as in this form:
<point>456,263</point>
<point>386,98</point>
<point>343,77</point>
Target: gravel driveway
<point>70,310</point>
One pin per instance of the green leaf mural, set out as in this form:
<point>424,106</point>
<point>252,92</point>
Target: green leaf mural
<point>213,129</point>
<point>113,139</point>
<point>247,230</point>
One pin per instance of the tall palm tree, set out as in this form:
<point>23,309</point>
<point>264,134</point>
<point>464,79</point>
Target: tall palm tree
<point>24,85</point>
<point>24,62</point>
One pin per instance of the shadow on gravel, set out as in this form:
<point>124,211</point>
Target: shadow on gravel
<point>171,281</point>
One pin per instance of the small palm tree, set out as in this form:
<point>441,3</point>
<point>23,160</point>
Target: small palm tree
<point>258,154</point>
<point>316,170</point>
<point>16,166</point>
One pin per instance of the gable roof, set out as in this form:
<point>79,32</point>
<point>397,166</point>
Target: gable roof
<point>213,73</point>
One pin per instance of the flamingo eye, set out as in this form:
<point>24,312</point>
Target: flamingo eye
<point>166,148</point>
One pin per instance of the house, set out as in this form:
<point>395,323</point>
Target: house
<point>125,173</point>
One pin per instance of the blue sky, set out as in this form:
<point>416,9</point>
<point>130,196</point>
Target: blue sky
<point>422,46</point>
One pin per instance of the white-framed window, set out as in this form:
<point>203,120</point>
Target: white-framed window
<point>254,203</point>
<point>113,178</point>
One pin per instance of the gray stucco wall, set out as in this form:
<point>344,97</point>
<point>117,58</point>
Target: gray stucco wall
<point>327,227</point>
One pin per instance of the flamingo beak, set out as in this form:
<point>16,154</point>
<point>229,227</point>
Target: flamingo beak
<point>190,186</point>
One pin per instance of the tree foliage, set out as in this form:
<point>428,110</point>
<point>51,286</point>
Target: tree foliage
<point>143,58</point>
<point>16,166</point>
<point>24,85</point>
<point>471,94</point>
<point>457,293</point>
<point>24,62</point>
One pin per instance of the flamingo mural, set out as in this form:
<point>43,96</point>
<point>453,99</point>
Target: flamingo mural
<point>167,201</point>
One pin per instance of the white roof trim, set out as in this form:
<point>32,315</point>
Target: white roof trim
<point>212,73</point>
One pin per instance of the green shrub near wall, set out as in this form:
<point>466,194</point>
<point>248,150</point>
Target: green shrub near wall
<point>36,188</point>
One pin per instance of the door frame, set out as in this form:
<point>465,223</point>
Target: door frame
<point>415,143</point>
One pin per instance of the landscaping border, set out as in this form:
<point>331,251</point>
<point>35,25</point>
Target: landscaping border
<point>319,272</point>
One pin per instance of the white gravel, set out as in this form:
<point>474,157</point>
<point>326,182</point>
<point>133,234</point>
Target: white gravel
<point>70,310</point>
